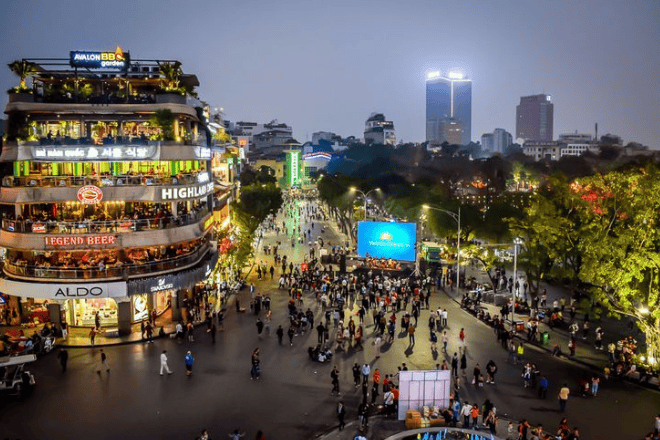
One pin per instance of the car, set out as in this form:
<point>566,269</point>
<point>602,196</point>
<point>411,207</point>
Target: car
<point>14,379</point>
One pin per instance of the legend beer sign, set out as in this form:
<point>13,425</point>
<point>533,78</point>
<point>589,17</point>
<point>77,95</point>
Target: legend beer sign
<point>81,241</point>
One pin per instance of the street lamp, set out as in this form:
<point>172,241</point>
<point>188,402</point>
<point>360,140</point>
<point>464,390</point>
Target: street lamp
<point>364,197</point>
<point>516,241</point>
<point>457,218</point>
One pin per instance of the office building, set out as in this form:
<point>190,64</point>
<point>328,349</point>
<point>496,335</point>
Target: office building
<point>379,131</point>
<point>448,108</point>
<point>534,118</point>
<point>498,141</point>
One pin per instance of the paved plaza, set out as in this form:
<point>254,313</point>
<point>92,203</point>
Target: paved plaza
<point>292,399</point>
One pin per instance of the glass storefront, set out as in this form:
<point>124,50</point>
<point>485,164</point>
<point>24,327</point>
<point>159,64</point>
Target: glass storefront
<point>34,310</point>
<point>82,312</point>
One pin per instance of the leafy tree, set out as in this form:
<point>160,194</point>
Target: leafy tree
<point>487,256</point>
<point>621,245</point>
<point>335,192</point>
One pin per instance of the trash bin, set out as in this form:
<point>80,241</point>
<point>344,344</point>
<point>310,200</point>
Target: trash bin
<point>545,338</point>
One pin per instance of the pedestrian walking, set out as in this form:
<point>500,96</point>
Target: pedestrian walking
<point>260,326</point>
<point>255,369</point>
<point>411,335</point>
<point>454,365</point>
<point>334,374</point>
<point>445,341</point>
<point>595,382</point>
<point>463,364</point>
<point>543,387</point>
<point>188,359</point>
<point>434,342</point>
<point>356,375</point>
<point>213,330</point>
<point>280,334</point>
<point>163,363</point>
<point>291,332</point>
<point>92,335</point>
<point>462,343</point>
<point>63,356</point>
<point>103,364</point>
<point>341,414</point>
<point>564,392</point>
<point>366,370</point>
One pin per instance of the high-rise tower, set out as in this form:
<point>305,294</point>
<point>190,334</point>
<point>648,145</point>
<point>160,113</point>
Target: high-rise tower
<point>534,118</point>
<point>448,108</point>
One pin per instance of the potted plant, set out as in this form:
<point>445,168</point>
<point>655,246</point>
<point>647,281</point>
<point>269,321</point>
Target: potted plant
<point>170,92</point>
<point>23,69</point>
<point>164,120</point>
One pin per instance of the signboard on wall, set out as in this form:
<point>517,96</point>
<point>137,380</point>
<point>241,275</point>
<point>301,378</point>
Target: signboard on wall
<point>81,241</point>
<point>187,192</point>
<point>63,291</point>
<point>82,153</point>
<point>90,194</point>
<point>117,60</point>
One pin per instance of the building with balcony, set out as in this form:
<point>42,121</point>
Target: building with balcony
<point>107,192</point>
<point>379,131</point>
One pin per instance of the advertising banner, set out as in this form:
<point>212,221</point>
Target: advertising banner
<point>387,240</point>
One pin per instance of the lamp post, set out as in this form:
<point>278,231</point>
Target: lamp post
<point>457,218</point>
<point>516,241</point>
<point>364,197</point>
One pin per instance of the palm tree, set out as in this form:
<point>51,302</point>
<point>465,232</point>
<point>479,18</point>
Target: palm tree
<point>23,69</point>
<point>171,72</point>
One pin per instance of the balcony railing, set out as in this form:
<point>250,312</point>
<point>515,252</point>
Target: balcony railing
<point>125,180</point>
<point>114,272</point>
<point>101,226</point>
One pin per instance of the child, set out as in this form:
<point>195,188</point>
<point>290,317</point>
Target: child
<point>510,430</point>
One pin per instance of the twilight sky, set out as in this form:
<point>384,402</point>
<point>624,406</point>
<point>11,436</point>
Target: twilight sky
<point>326,65</point>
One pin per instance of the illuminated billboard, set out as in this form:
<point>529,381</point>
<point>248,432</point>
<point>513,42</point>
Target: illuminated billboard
<point>387,240</point>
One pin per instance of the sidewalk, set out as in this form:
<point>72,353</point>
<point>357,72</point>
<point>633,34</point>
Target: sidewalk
<point>585,353</point>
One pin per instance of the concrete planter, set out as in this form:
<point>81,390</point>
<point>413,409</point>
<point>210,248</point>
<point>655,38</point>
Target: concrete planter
<point>170,98</point>
<point>21,97</point>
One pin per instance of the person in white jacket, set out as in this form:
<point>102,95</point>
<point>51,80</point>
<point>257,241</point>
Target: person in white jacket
<point>163,363</point>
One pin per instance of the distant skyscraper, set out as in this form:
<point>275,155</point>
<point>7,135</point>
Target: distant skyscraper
<point>448,108</point>
<point>496,142</point>
<point>534,118</point>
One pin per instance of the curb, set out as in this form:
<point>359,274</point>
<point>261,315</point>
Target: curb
<point>167,335</point>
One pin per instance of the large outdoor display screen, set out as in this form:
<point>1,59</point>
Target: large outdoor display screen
<point>387,240</point>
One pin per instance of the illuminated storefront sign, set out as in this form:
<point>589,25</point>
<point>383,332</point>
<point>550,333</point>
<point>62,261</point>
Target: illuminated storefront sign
<point>162,284</point>
<point>188,192</point>
<point>84,153</point>
<point>117,60</point>
<point>63,291</point>
<point>39,228</point>
<point>90,194</point>
<point>84,241</point>
<point>208,223</point>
